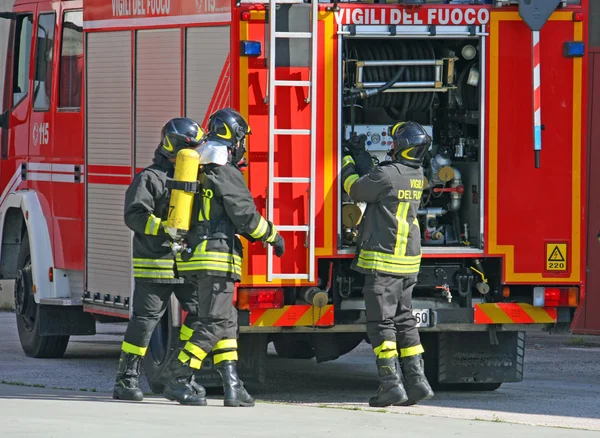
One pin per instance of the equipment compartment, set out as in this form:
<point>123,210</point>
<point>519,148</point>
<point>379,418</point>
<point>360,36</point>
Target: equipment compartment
<point>436,82</point>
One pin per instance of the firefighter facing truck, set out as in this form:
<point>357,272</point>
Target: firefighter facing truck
<point>389,254</point>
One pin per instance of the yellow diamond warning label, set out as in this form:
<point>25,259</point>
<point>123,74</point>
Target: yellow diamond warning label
<point>556,257</point>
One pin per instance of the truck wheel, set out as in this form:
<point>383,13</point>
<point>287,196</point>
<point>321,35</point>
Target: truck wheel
<point>28,313</point>
<point>293,347</point>
<point>162,344</point>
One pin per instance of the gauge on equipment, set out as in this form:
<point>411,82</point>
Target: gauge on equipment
<point>375,138</point>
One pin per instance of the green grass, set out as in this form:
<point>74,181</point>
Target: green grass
<point>34,385</point>
<point>6,307</point>
<point>579,341</point>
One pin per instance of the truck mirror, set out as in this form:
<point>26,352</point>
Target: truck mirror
<point>4,119</point>
<point>8,15</point>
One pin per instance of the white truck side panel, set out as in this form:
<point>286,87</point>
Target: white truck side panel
<point>207,49</point>
<point>108,140</point>
<point>158,88</point>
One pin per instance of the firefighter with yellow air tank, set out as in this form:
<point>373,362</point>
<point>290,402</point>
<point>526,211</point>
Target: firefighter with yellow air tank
<point>389,254</point>
<point>146,209</point>
<point>211,253</point>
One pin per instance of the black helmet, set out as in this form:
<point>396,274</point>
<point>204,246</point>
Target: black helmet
<point>227,126</point>
<point>180,133</point>
<point>411,143</point>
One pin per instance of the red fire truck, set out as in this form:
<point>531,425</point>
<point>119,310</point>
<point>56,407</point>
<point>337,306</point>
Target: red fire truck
<point>500,86</point>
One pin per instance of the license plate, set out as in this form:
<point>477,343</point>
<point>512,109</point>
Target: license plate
<point>423,317</point>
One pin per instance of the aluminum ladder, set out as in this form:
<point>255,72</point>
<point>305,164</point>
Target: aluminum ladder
<point>274,84</point>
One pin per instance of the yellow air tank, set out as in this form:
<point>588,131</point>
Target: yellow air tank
<point>182,202</point>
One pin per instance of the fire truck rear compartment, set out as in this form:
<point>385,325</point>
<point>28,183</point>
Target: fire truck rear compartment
<point>435,82</point>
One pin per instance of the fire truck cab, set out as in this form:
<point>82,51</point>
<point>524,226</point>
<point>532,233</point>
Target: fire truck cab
<point>500,86</point>
<point>41,173</point>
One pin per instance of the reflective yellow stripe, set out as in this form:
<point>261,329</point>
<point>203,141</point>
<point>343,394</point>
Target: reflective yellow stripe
<point>387,354</point>
<point>385,345</point>
<point>395,127</point>
<point>185,333</point>
<point>183,357</point>
<point>260,229</point>
<point>152,225</point>
<point>211,266</point>
<point>347,160</point>
<point>381,266</point>
<point>389,258</point>
<point>200,255</point>
<point>133,349</point>
<point>273,234</point>
<point>195,350</point>
<point>150,263</point>
<point>200,216</point>
<point>150,273</point>
<point>348,182</point>
<point>225,343</point>
<point>206,202</point>
<point>230,355</point>
<point>411,351</point>
<point>403,229</point>
<point>195,363</point>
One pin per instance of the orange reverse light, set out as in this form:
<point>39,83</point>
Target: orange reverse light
<point>506,291</point>
<point>264,298</point>
<point>51,274</point>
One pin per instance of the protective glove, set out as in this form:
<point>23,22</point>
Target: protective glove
<point>356,145</point>
<point>278,245</point>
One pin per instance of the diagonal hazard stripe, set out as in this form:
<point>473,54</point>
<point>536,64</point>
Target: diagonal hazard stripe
<point>479,316</point>
<point>516,313</point>
<point>327,319</point>
<point>269,317</point>
<point>294,315</point>
<point>540,314</point>
<point>513,313</point>
<point>306,316</point>
<point>495,314</point>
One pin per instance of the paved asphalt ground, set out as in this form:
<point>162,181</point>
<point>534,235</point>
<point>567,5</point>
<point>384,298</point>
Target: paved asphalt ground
<point>559,397</point>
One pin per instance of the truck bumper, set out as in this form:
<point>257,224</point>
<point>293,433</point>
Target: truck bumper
<point>307,319</point>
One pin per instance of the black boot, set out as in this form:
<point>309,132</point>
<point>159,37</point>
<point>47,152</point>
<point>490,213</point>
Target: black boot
<point>127,386</point>
<point>179,387</point>
<point>416,383</point>
<point>235,393</point>
<point>390,389</point>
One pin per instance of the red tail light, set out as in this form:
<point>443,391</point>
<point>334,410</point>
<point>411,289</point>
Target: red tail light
<point>259,299</point>
<point>555,296</point>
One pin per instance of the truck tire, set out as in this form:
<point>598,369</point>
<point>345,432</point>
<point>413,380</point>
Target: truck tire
<point>163,342</point>
<point>28,313</point>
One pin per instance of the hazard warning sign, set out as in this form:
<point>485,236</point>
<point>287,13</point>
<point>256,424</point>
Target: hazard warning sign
<point>556,257</point>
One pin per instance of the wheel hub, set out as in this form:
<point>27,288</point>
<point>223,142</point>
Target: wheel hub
<point>22,290</point>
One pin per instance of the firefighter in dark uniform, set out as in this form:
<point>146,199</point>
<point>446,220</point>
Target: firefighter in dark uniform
<point>389,254</point>
<point>224,208</point>
<point>146,208</point>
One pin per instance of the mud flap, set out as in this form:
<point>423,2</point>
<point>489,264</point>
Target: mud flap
<point>472,358</point>
<point>66,320</point>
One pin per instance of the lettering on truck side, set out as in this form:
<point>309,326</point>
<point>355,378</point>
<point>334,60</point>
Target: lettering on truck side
<point>433,16</point>
<point>124,8</point>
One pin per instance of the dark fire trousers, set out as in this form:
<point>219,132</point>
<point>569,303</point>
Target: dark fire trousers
<point>150,300</point>
<point>215,329</point>
<point>391,326</point>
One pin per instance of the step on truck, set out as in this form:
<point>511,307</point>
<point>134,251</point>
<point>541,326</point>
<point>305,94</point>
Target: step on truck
<point>501,86</point>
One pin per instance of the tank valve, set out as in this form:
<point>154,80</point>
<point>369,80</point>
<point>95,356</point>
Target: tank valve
<point>482,287</point>
<point>316,297</point>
